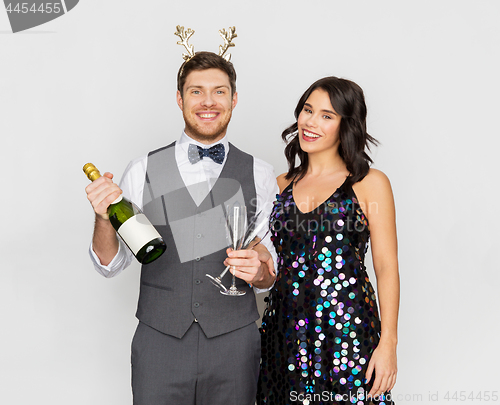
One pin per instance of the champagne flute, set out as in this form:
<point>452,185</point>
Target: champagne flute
<point>237,225</point>
<point>256,225</point>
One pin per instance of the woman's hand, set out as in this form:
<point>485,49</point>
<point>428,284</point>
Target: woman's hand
<point>384,364</point>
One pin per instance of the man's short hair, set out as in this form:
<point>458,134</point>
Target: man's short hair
<point>203,61</point>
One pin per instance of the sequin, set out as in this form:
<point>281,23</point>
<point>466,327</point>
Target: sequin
<point>321,323</point>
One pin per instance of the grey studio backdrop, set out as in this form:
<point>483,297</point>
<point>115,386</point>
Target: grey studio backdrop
<point>98,84</point>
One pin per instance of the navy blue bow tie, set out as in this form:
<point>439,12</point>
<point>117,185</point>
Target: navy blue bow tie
<point>196,153</point>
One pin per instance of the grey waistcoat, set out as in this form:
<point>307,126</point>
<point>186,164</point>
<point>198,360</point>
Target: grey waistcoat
<point>174,289</point>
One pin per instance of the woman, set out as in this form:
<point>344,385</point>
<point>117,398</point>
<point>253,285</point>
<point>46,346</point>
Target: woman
<point>322,339</point>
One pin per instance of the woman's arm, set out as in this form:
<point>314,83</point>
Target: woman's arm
<point>377,202</point>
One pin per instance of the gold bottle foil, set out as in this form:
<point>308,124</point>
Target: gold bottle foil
<point>91,171</point>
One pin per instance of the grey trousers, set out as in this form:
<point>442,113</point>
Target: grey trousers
<point>195,370</point>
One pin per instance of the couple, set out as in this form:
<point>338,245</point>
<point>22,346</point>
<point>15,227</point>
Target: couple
<point>321,333</point>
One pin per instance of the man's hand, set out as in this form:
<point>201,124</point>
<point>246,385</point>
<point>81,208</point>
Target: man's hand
<point>255,266</point>
<point>101,193</point>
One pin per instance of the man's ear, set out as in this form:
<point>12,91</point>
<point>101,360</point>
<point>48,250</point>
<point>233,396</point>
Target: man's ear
<point>180,103</point>
<point>235,99</point>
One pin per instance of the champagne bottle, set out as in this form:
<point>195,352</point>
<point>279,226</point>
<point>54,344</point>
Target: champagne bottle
<point>132,225</point>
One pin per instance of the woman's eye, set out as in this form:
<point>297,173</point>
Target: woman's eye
<point>327,117</point>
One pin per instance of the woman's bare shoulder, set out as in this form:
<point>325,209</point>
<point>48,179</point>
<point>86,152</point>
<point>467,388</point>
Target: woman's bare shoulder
<point>283,182</point>
<point>375,178</point>
<point>374,186</point>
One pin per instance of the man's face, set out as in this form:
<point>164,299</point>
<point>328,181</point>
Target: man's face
<point>207,104</point>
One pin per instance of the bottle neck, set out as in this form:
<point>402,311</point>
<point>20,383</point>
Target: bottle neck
<point>118,199</point>
<point>93,174</point>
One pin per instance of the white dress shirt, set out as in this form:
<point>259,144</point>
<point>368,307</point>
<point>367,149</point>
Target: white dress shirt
<point>132,185</point>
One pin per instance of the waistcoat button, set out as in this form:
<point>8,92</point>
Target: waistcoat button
<point>197,281</point>
<point>196,304</point>
<point>198,236</point>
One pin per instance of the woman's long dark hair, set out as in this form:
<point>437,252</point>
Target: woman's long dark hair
<point>348,101</point>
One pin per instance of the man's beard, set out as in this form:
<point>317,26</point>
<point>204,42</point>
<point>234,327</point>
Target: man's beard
<point>203,137</point>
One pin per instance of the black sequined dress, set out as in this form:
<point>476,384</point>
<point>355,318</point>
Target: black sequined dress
<point>321,323</point>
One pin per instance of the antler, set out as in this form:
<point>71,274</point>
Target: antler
<point>227,37</point>
<point>184,36</point>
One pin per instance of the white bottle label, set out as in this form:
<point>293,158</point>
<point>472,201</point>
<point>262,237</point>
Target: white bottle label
<point>137,231</point>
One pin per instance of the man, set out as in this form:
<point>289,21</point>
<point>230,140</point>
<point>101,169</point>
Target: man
<point>193,345</point>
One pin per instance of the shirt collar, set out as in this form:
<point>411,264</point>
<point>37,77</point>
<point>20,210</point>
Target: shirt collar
<point>185,140</point>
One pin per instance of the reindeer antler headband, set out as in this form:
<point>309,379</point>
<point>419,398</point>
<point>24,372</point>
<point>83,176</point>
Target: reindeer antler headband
<point>227,36</point>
